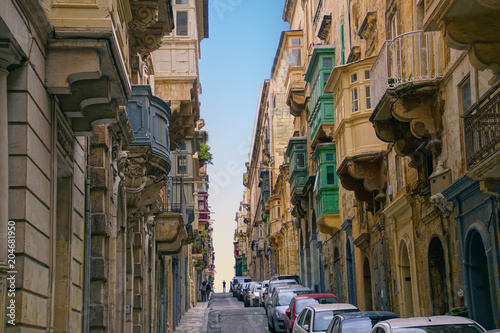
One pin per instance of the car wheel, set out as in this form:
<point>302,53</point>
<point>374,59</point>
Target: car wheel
<point>270,328</point>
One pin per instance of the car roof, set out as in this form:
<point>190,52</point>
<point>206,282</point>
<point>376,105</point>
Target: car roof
<point>292,288</point>
<point>332,306</point>
<point>428,321</point>
<point>315,295</point>
<point>283,277</point>
<point>282,281</point>
<point>369,314</point>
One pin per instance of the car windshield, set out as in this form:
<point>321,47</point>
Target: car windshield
<point>285,297</point>
<point>302,303</point>
<point>358,325</point>
<point>451,328</point>
<point>322,320</point>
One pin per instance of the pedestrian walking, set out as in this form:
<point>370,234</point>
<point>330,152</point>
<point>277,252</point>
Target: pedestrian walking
<point>209,289</point>
<point>203,290</point>
<point>224,286</point>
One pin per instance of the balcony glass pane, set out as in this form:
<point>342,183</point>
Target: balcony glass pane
<point>182,24</point>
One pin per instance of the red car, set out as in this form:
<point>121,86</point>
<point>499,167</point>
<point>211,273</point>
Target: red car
<point>298,303</point>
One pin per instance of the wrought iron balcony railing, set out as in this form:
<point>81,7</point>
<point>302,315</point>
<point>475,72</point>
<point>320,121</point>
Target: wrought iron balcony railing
<point>413,57</point>
<point>173,198</point>
<point>482,127</point>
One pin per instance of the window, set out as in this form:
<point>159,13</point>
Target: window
<point>330,175</point>
<point>326,76</point>
<point>327,62</point>
<point>181,25</point>
<point>182,2</point>
<point>279,213</point>
<point>354,77</point>
<point>368,99</point>
<point>295,41</point>
<point>354,99</point>
<point>182,165</point>
<point>393,26</point>
<point>465,91</point>
<point>296,57</point>
<point>329,157</point>
<point>367,75</point>
<point>301,161</point>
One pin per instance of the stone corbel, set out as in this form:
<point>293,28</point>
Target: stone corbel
<point>144,13</point>
<point>368,25</point>
<point>297,102</point>
<point>362,241</point>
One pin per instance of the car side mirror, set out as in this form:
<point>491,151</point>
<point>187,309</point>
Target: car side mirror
<point>306,327</point>
<point>287,312</point>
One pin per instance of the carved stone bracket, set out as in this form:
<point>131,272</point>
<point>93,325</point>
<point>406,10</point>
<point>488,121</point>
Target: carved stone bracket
<point>363,241</point>
<point>145,14</point>
<point>366,175</point>
<point>325,27</point>
<point>444,206</point>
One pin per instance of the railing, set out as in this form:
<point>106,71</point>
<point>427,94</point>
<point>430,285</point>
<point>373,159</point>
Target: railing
<point>172,196</point>
<point>412,57</point>
<point>482,127</point>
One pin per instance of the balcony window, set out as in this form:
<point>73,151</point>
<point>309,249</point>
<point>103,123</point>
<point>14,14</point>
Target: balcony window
<point>301,161</point>
<point>354,100</point>
<point>465,92</point>
<point>182,2</point>
<point>295,41</point>
<point>182,165</point>
<point>368,99</point>
<point>181,25</point>
<point>296,60</point>
<point>354,77</point>
<point>367,75</point>
<point>328,62</point>
<point>330,175</point>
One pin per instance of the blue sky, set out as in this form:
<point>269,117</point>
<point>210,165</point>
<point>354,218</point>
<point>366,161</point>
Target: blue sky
<point>235,59</point>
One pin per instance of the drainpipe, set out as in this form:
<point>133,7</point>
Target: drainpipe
<point>88,213</point>
<point>321,270</point>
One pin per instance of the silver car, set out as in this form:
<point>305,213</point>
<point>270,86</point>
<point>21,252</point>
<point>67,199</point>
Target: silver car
<point>435,324</point>
<point>270,289</point>
<point>280,300</point>
<point>316,318</point>
<point>263,289</point>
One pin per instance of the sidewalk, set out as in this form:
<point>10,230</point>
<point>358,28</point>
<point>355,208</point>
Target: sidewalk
<point>195,320</point>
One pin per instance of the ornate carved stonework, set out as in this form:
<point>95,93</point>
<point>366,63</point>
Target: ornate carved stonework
<point>367,31</point>
<point>145,14</point>
<point>64,138</point>
<point>444,206</point>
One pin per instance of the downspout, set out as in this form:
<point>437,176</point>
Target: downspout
<point>321,271</point>
<point>88,213</point>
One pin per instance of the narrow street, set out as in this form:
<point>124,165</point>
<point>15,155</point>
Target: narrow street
<point>227,315</point>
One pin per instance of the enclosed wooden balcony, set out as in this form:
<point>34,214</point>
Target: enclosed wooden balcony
<point>149,118</point>
<point>405,80</point>
<point>482,138</point>
<point>296,152</point>
<point>471,25</point>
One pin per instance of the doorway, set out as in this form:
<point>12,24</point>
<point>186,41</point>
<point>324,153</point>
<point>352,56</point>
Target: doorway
<point>481,307</point>
<point>367,285</point>
<point>437,274</point>
<point>405,271</point>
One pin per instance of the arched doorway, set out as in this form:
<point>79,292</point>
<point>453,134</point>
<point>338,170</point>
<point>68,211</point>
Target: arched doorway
<point>367,285</point>
<point>351,275</point>
<point>481,308</point>
<point>404,266</point>
<point>437,274</point>
<point>337,273</point>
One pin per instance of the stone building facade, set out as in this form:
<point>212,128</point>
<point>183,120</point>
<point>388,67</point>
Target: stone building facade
<point>393,160</point>
<point>86,157</point>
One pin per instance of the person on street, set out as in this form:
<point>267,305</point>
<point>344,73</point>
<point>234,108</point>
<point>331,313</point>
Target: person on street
<point>209,289</point>
<point>203,290</point>
<point>224,286</point>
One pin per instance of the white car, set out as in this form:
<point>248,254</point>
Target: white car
<point>316,318</point>
<point>254,295</point>
<point>435,324</point>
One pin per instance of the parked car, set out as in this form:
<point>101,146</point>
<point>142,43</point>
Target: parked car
<point>248,291</point>
<point>316,318</point>
<point>434,324</point>
<point>255,295</point>
<point>241,290</point>
<point>236,281</point>
<point>300,302</point>
<point>286,277</point>
<point>272,285</point>
<point>263,288</point>
<point>358,322</point>
<point>280,299</point>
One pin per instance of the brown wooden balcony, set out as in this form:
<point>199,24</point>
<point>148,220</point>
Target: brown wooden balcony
<point>295,90</point>
<point>482,136</point>
<point>471,25</point>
